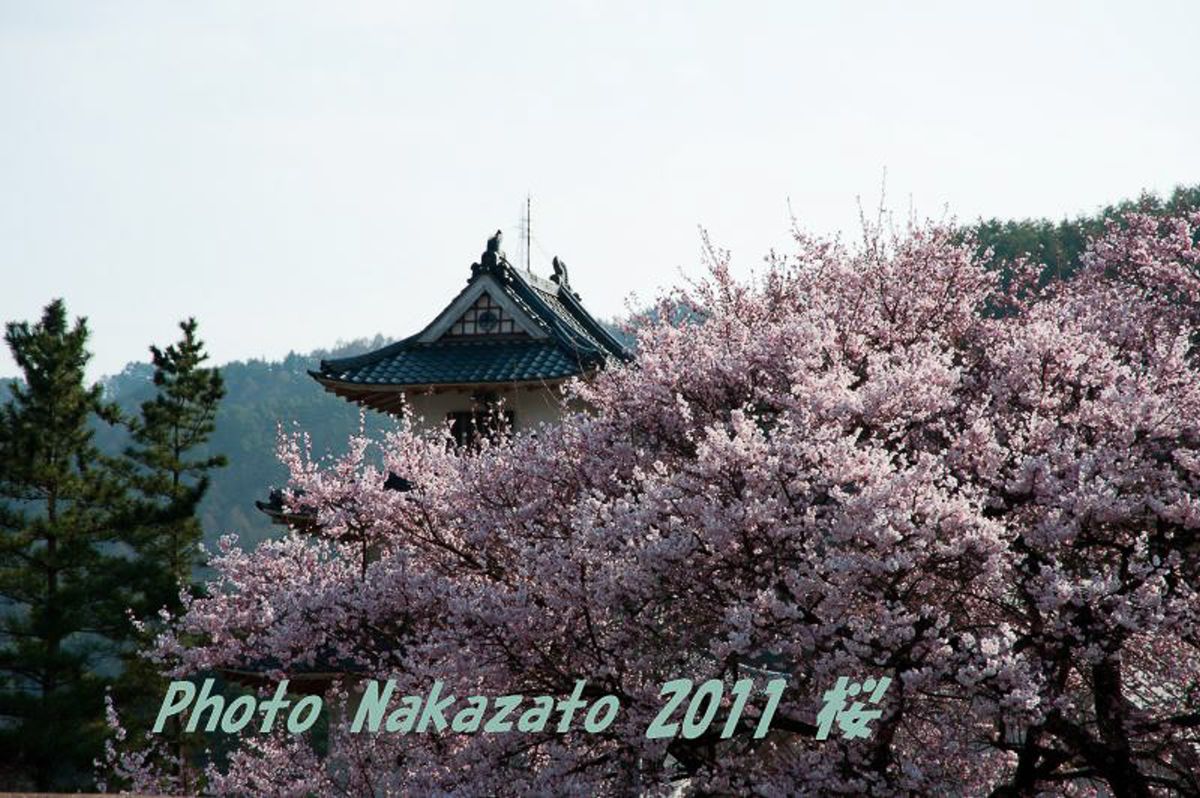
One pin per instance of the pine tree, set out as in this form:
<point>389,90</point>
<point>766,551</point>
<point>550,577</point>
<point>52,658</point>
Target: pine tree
<point>61,572</point>
<point>167,470</point>
<point>169,473</point>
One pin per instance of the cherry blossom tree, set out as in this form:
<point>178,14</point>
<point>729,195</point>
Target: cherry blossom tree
<point>868,460</point>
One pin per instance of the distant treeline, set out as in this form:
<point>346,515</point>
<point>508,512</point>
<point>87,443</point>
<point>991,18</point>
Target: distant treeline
<point>1059,245</point>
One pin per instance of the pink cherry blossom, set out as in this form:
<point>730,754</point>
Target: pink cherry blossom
<point>868,460</point>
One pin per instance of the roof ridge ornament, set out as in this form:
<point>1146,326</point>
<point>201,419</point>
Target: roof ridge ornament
<point>560,272</point>
<point>561,277</point>
<point>492,261</point>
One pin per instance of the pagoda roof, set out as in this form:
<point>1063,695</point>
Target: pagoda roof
<point>507,326</point>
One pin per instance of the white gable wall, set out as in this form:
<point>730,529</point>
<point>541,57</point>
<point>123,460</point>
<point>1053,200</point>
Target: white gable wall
<point>455,310</point>
<point>530,407</point>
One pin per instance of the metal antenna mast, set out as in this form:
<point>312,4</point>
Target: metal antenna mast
<point>528,229</point>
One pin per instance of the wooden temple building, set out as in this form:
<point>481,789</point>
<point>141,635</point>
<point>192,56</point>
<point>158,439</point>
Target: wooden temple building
<point>500,349</point>
<point>498,353</point>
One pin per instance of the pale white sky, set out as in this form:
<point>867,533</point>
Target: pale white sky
<point>293,173</point>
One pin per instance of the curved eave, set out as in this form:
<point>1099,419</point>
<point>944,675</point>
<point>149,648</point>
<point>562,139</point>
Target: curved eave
<point>390,398</point>
<point>301,522</point>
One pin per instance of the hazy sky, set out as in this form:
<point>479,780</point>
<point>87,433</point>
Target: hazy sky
<point>294,173</point>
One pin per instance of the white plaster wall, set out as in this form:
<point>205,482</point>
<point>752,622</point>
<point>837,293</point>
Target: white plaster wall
<point>530,406</point>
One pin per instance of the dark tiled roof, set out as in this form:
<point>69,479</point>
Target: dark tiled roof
<point>573,343</point>
<point>412,363</point>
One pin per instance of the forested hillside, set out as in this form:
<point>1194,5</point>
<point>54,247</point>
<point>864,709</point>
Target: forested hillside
<point>261,395</point>
<point>1059,245</point>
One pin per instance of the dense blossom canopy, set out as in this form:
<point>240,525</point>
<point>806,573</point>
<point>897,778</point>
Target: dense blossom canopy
<point>869,460</point>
